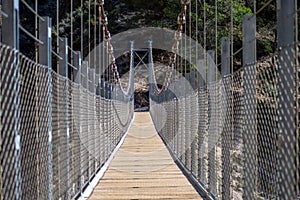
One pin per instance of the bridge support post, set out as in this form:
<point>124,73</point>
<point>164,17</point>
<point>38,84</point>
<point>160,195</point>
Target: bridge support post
<point>225,56</point>
<point>132,82</point>
<point>227,131</point>
<point>202,130</point>
<point>84,163</point>
<point>77,117</point>
<point>250,133</point>
<point>211,70</point>
<point>288,134</point>
<point>88,121</point>
<point>150,78</point>
<point>97,110</point>
<point>10,30</point>
<point>187,125</point>
<point>10,37</point>
<point>63,71</point>
<point>105,117</point>
<point>45,58</point>
<point>212,135</point>
<point>92,129</point>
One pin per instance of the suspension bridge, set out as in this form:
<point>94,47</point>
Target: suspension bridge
<point>68,126</point>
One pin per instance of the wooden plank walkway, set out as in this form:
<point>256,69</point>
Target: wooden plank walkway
<point>143,169</point>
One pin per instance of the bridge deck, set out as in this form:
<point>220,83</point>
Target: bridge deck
<point>143,169</point>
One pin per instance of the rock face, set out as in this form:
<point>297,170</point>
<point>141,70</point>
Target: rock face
<point>141,101</point>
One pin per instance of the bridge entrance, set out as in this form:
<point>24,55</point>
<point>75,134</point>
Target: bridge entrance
<point>140,63</point>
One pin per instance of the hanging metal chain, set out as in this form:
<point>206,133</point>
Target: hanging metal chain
<point>181,20</point>
<point>107,37</point>
<point>110,50</point>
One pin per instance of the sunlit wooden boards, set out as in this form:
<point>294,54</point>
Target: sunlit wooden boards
<point>143,169</point>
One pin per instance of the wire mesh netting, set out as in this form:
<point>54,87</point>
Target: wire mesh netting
<point>238,137</point>
<point>243,149</point>
<point>24,126</point>
<point>235,98</point>
<point>267,128</point>
<point>55,134</point>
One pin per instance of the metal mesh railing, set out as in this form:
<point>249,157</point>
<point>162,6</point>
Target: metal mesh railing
<point>234,133</point>
<point>24,127</point>
<point>55,134</point>
<point>230,136</point>
<point>267,128</point>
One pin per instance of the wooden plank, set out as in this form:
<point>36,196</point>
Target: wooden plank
<point>143,169</point>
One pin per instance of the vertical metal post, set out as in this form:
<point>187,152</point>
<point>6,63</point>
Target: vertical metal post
<point>187,126</point>
<point>132,65</point>
<point>130,101</point>
<point>110,130</point>
<point>97,106</point>
<point>201,66</point>
<point>105,117</point>
<point>10,37</point>
<point>98,112</point>
<point>63,71</point>
<point>193,79</point>
<point>226,133</point>
<point>92,80</point>
<point>103,137</point>
<point>77,64</point>
<point>250,133</point>
<point>10,30</point>
<point>45,32</point>
<point>63,53</point>
<point>84,159</point>
<point>84,81</point>
<point>225,56</point>
<point>92,115</point>
<point>211,67</point>
<point>77,105</point>
<point>288,139</point>
<point>150,68</point>
<point>45,58</point>
<point>88,119</point>
<point>211,79</point>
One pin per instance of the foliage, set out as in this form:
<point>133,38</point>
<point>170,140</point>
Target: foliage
<point>128,14</point>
